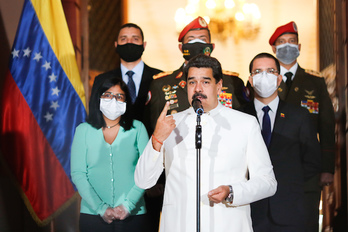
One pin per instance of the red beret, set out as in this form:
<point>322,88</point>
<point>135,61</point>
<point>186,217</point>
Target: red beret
<point>198,23</point>
<point>287,28</point>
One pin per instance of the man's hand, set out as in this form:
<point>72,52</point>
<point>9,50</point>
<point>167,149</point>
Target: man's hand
<point>109,215</point>
<point>326,178</point>
<point>219,194</point>
<point>164,126</point>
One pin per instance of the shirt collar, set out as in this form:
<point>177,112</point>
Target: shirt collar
<point>273,105</point>
<point>138,69</point>
<point>293,70</point>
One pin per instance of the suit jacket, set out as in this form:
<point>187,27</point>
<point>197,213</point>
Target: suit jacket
<point>171,86</point>
<point>310,92</point>
<point>295,154</point>
<point>146,79</point>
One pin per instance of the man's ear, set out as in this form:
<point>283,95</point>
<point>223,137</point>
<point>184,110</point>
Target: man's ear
<point>274,49</point>
<point>115,44</point>
<point>279,79</point>
<point>144,44</point>
<point>251,81</point>
<point>299,47</point>
<point>180,47</point>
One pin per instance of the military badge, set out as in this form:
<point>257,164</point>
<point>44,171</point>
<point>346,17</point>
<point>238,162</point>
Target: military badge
<point>313,107</point>
<point>166,88</point>
<point>225,99</point>
<point>207,51</point>
<point>282,115</point>
<point>309,94</point>
<point>182,84</point>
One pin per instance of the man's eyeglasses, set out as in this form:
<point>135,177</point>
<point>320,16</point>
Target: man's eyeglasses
<point>108,96</point>
<point>269,70</point>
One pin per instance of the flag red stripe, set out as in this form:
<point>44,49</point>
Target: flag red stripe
<point>31,159</point>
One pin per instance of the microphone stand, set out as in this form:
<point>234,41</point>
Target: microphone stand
<point>198,164</point>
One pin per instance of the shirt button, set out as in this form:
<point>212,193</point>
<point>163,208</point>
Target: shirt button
<point>112,179</point>
<point>110,154</point>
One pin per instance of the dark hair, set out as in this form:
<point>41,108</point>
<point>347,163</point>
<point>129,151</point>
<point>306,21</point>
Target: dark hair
<point>95,117</point>
<point>197,29</point>
<point>131,25</point>
<point>203,61</point>
<point>264,55</point>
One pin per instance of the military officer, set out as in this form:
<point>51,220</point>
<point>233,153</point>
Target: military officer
<point>194,39</point>
<point>307,89</point>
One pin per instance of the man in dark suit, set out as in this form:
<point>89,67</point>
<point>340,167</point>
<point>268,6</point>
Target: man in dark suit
<point>194,39</point>
<point>307,89</point>
<point>293,148</point>
<point>137,75</point>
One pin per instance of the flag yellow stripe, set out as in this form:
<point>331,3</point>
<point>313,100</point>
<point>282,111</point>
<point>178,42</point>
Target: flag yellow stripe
<point>52,20</point>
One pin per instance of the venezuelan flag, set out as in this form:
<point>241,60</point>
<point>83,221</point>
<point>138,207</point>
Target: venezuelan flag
<point>42,102</point>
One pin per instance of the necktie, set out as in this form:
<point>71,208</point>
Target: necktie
<point>131,86</point>
<point>266,126</point>
<point>288,79</point>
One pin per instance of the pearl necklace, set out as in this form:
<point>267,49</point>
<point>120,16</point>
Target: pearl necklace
<point>112,126</point>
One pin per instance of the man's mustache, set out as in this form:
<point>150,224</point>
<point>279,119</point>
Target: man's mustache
<point>199,95</point>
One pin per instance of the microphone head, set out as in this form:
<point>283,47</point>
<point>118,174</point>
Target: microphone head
<point>197,106</point>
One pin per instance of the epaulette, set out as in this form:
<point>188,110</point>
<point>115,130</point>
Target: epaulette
<point>314,73</point>
<point>162,74</point>
<point>229,73</point>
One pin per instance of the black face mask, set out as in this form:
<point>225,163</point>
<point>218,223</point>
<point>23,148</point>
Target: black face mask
<point>130,52</point>
<point>190,50</point>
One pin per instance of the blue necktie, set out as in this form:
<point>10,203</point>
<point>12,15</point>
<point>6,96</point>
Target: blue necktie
<point>266,126</point>
<point>131,86</point>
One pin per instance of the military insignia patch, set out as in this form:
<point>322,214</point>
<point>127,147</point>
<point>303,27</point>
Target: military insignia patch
<point>309,94</point>
<point>225,99</point>
<point>182,84</point>
<point>207,51</point>
<point>282,115</point>
<point>179,75</point>
<point>149,95</point>
<point>312,107</point>
<point>166,88</point>
<point>162,74</point>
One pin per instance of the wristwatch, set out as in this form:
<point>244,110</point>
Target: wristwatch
<point>229,198</point>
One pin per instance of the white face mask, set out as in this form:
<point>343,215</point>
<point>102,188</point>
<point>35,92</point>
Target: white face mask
<point>265,84</point>
<point>112,109</point>
<point>287,53</point>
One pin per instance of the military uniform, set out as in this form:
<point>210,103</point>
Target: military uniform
<point>171,86</point>
<point>309,91</point>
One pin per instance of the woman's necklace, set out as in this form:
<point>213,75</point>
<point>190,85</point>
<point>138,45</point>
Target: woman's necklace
<point>112,126</point>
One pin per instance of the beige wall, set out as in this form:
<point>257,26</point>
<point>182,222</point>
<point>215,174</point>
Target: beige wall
<point>156,18</point>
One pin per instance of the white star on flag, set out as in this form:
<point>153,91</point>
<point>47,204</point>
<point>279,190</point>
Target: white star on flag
<point>55,91</point>
<point>15,53</point>
<point>48,117</point>
<point>27,52</point>
<point>37,56</point>
<point>54,105</point>
<point>47,65</point>
<point>53,77</point>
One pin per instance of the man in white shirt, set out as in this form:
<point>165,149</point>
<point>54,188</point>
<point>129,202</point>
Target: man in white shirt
<point>235,165</point>
<point>293,148</point>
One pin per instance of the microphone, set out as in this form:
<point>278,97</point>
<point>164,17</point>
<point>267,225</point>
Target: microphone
<point>197,106</point>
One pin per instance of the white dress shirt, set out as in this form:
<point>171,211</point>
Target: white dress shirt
<point>272,113</point>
